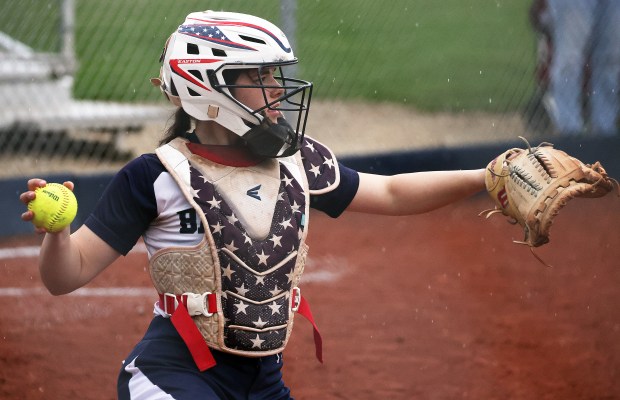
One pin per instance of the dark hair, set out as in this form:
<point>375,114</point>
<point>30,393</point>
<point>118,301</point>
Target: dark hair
<point>182,120</point>
<point>231,75</point>
<point>181,125</point>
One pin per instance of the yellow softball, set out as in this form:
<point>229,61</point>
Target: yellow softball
<point>54,207</point>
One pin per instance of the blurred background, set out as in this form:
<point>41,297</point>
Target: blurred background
<point>402,85</point>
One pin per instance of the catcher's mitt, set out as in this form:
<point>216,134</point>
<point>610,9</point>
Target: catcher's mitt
<point>531,186</point>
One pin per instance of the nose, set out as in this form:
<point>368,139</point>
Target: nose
<point>276,90</point>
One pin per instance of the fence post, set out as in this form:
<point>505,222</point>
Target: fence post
<point>288,11</point>
<point>67,32</point>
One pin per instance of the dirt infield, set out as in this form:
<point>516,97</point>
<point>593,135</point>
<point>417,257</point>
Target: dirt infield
<point>436,306</point>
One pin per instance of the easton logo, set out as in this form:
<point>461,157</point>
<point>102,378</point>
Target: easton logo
<point>254,192</point>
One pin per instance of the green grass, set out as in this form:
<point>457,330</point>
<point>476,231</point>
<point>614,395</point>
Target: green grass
<point>33,22</point>
<point>448,55</point>
<point>455,55</point>
<point>128,37</point>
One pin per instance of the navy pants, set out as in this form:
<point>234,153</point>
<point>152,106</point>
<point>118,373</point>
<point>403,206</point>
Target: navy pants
<point>161,367</point>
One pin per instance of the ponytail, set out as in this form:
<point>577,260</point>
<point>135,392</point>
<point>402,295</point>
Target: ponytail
<point>181,125</point>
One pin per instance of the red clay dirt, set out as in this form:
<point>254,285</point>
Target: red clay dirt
<point>435,306</point>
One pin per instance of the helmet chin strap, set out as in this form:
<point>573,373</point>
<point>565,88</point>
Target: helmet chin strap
<point>272,139</point>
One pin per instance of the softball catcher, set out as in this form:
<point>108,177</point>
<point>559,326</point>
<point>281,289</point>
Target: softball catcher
<point>223,209</point>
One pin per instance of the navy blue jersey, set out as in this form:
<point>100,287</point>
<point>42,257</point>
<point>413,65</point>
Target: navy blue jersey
<point>144,200</point>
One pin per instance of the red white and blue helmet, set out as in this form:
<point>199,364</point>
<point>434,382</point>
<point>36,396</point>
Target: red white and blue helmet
<point>200,60</point>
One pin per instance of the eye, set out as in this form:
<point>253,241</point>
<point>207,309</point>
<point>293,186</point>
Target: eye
<point>268,74</point>
<point>254,77</point>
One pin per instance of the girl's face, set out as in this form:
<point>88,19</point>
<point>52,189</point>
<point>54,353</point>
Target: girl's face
<point>253,97</point>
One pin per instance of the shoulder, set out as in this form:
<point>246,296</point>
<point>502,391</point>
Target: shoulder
<point>128,204</point>
<point>137,177</point>
<point>320,165</point>
<point>146,165</point>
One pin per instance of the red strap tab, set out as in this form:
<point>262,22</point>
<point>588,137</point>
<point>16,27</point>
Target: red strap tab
<point>304,310</point>
<point>212,300</point>
<point>192,337</point>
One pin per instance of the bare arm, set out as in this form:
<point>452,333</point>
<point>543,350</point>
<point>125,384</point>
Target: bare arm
<point>414,193</point>
<point>68,261</point>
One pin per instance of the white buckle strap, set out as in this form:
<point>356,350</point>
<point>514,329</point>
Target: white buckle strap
<point>296,299</point>
<point>196,304</point>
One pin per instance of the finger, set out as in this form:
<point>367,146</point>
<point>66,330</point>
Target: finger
<point>69,185</point>
<point>27,197</point>
<point>27,216</point>
<point>35,183</point>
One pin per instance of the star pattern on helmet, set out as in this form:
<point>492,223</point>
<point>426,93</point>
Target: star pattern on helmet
<point>211,33</point>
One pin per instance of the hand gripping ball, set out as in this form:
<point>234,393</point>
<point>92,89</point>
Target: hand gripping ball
<point>54,207</point>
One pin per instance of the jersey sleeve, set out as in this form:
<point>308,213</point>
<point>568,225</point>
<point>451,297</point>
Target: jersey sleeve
<point>334,202</point>
<point>127,205</point>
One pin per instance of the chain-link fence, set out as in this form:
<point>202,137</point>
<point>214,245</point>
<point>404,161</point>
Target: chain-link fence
<point>75,92</point>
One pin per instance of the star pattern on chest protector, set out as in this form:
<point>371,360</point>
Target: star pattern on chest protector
<point>257,274</point>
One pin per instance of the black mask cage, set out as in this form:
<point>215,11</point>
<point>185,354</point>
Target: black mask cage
<point>294,103</point>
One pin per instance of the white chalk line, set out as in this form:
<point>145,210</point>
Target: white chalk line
<point>82,292</point>
<point>33,251</point>
<point>331,274</point>
<point>19,252</point>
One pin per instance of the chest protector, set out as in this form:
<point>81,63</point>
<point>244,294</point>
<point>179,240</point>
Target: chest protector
<point>246,271</point>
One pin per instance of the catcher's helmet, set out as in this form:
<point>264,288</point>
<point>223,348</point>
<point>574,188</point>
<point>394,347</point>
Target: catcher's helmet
<point>204,56</point>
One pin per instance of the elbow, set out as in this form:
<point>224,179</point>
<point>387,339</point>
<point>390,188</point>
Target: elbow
<point>55,287</point>
<point>57,291</point>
